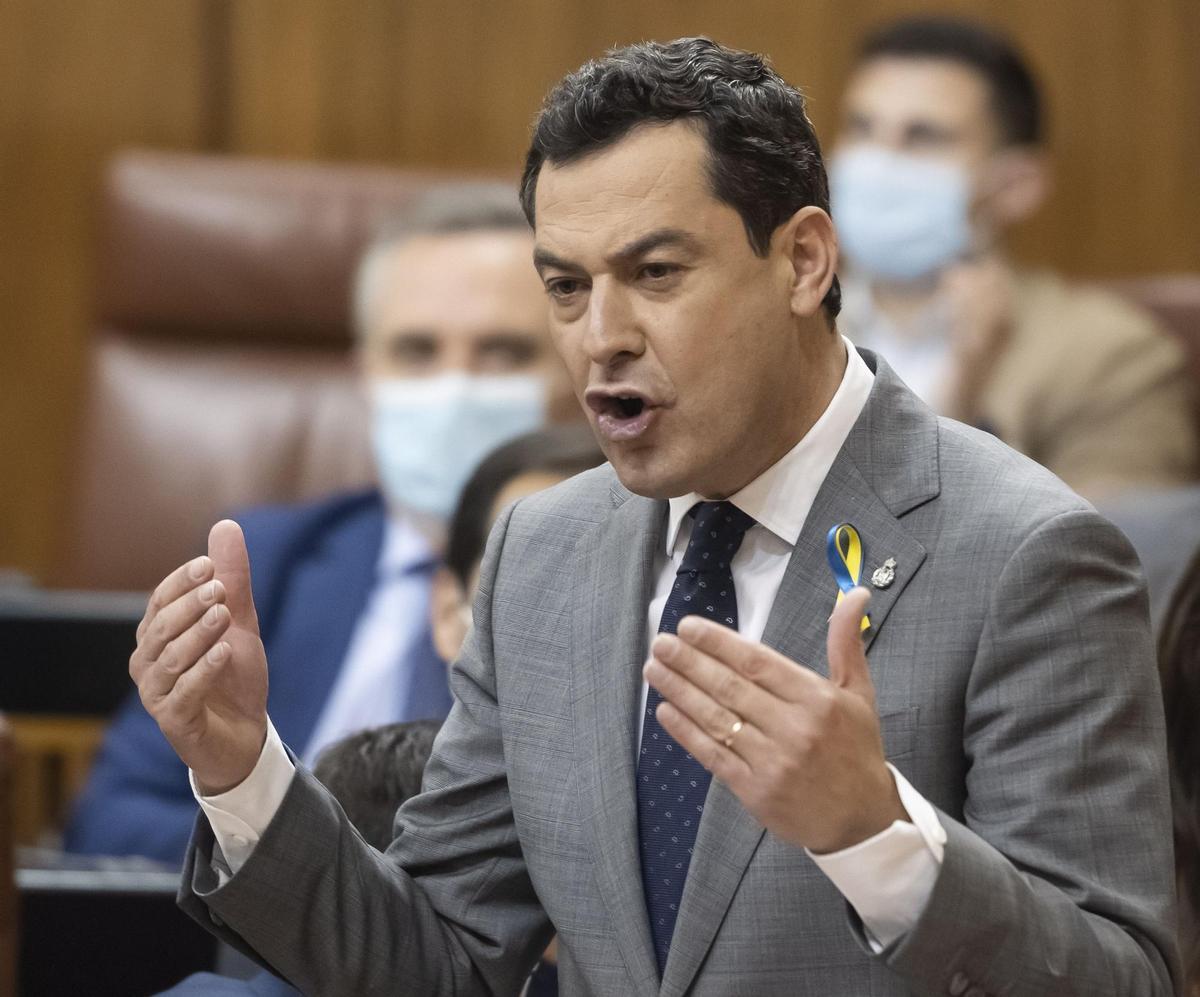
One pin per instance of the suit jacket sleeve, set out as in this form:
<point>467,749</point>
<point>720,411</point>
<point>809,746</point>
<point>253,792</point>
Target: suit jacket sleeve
<point>448,909</point>
<point>1058,879</point>
<point>1091,388</point>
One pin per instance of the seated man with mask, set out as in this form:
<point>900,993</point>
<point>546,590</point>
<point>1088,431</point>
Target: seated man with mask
<point>455,359</point>
<point>941,150</point>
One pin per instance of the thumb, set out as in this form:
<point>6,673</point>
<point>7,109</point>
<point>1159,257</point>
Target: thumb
<point>844,647</point>
<point>227,548</point>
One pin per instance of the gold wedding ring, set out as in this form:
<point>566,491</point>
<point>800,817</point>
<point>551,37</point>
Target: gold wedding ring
<point>733,731</point>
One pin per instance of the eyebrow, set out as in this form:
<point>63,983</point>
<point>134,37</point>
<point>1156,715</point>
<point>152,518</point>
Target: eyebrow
<point>488,337</point>
<point>543,258</point>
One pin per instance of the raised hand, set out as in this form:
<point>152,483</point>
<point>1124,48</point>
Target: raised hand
<point>807,758</point>
<point>199,663</point>
<point>979,298</point>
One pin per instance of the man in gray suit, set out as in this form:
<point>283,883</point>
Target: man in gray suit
<point>962,792</point>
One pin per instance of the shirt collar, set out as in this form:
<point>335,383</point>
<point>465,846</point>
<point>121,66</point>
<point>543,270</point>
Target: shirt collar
<point>780,498</point>
<point>928,329</point>
<point>404,549</point>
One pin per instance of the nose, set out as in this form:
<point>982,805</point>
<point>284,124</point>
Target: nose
<point>612,329</point>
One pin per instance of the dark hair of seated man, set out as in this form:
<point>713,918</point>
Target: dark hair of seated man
<point>1179,665</point>
<point>373,772</point>
<point>1015,96</point>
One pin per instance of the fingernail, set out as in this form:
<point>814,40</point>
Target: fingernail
<point>217,653</point>
<point>208,592</point>
<point>198,568</point>
<point>665,647</point>
<point>212,616</point>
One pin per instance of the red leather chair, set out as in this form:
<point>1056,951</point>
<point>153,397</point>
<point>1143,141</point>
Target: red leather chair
<point>220,369</point>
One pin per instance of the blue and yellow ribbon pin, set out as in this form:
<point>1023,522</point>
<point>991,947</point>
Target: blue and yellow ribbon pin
<point>843,548</point>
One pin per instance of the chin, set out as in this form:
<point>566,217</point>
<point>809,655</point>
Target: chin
<point>648,475</point>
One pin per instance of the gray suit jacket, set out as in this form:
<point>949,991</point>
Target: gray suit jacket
<point>1017,692</point>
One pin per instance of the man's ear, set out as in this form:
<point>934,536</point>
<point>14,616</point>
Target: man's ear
<point>446,616</point>
<point>810,243</point>
<point>1017,183</point>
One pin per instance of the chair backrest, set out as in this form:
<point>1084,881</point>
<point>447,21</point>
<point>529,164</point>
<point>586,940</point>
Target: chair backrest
<point>220,369</point>
<point>1174,299</point>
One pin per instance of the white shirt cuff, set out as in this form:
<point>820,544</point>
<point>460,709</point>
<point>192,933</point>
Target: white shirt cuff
<point>239,816</point>
<point>888,878</point>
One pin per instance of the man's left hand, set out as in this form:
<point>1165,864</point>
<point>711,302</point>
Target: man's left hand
<point>807,760</point>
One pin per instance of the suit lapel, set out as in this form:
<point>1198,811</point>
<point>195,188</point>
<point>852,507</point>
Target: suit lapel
<point>615,573</point>
<point>331,565</point>
<point>897,435</point>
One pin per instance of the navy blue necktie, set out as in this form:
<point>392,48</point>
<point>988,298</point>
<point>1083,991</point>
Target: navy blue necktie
<point>671,784</point>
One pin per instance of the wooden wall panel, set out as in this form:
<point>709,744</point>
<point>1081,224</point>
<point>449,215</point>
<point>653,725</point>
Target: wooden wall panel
<point>78,79</point>
<point>456,83</point>
<point>421,82</point>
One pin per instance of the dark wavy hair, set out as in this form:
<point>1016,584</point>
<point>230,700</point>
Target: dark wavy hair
<point>764,158</point>
<point>372,773</point>
<point>1015,97</point>
<point>1179,666</point>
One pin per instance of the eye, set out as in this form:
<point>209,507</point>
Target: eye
<point>411,348</point>
<point>563,288</point>
<point>659,275</point>
<point>657,271</point>
<point>924,136</point>
<point>507,353</point>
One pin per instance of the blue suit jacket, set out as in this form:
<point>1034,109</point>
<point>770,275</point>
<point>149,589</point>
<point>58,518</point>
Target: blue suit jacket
<point>312,568</point>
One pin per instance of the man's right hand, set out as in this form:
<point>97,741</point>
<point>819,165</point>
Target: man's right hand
<point>200,667</point>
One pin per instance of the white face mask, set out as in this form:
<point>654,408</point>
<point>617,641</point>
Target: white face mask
<point>899,218</point>
<point>430,433</point>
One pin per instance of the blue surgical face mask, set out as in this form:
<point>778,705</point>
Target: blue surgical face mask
<point>430,433</point>
<point>899,218</point>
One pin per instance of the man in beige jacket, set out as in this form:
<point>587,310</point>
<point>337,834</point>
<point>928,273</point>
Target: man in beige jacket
<point>940,152</point>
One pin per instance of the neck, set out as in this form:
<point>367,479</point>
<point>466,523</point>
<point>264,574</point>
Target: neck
<point>903,304</point>
<point>826,372</point>
<point>431,529</point>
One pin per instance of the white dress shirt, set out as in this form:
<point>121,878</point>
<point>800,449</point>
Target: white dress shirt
<point>887,878</point>
<point>919,351</point>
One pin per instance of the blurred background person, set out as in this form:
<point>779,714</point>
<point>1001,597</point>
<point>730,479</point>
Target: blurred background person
<point>1179,663</point>
<point>455,358</point>
<point>374,771</point>
<point>525,465</point>
<point>940,152</point>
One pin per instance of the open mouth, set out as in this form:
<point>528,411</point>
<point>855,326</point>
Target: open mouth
<point>627,407</point>
<point>620,415</point>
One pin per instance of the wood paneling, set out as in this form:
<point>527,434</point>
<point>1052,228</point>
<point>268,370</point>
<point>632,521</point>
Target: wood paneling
<point>456,83</point>
<point>78,79</point>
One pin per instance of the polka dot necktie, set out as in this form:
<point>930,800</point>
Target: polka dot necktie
<point>671,784</point>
